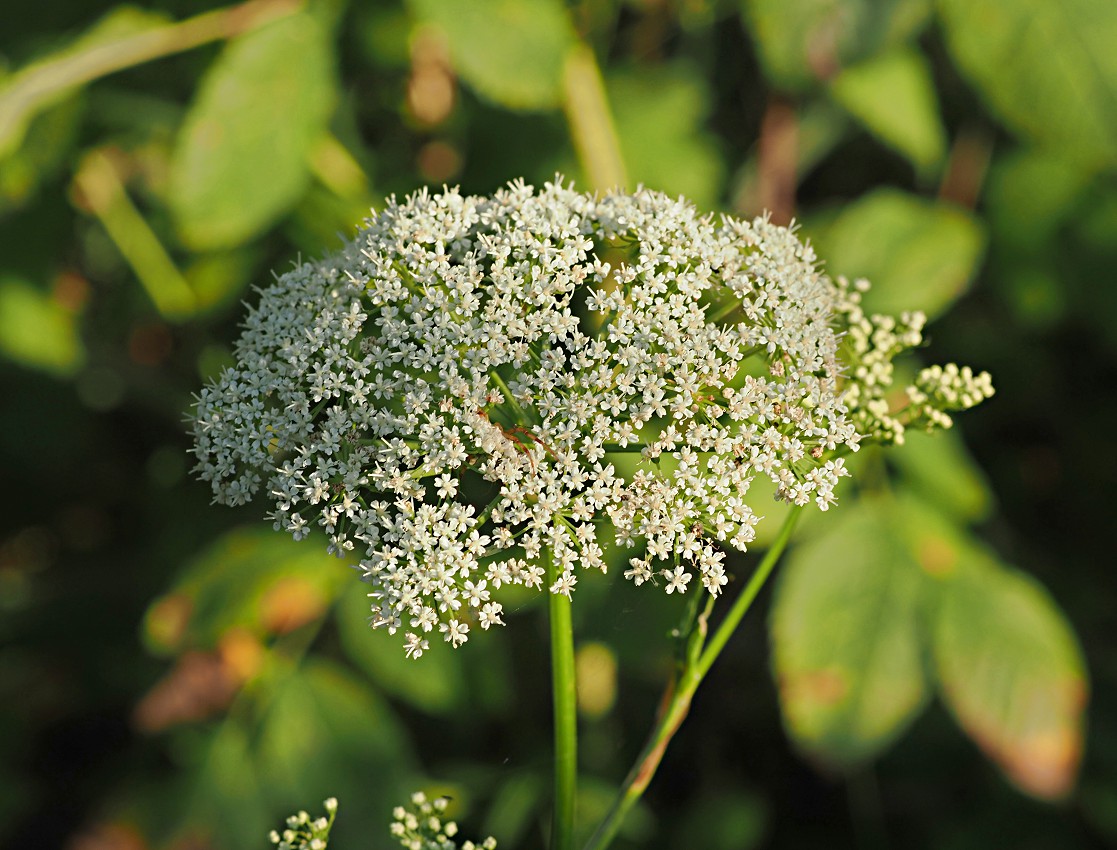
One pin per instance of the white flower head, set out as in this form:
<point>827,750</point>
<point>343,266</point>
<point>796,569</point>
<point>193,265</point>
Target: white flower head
<point>448,396</point>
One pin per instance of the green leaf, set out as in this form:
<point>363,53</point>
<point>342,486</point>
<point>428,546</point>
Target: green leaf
<point>1048,69</point>
<point>433,683</point>
<point>1011,671</point>
<point>659,114</point>
<point>254,578</point>
<point>511,52</point>
<point>326,731</point>
<point>36,330</point>
<point>1030,194</point>
<point>241,158</point>
<point>893,95</point>
<point>940,469</point>
<point>802,41</point>
<point>918,254</point>
<point>846,636</point>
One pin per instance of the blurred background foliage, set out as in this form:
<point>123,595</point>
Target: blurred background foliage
<point>177,676</point>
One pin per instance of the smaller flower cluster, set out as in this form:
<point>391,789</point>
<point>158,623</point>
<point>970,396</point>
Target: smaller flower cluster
<point>302,833</point>
<point>872,342</point>
<point>420,826</point>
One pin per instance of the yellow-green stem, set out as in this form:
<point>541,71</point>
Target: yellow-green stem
<point>677,698</point>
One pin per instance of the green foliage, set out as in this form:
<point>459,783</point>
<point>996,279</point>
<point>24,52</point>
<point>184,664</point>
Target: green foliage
<point>919,255</point>
<point>893,95</point>
<point>1011,670</point>
<point>659,116</point>
<point>1048,69</point>
<point>242,156</point>
<point>37,331</point>
<point>512,52</point>
<point>802,41</point>
<point>845,627</point>
<point>892,582</point>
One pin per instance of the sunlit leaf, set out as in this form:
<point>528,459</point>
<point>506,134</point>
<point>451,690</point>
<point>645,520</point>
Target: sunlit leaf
<point>919,254</point>
<point>1048,69</point>
<point>659,114</point>
<point>1012,672</point>
<point>802,41</point>
<point>893,95</point>
<point>37,331</point>
<point>847,643</point>
<point>241,160</point>
<point>509,51</point>
<point>256,578</point>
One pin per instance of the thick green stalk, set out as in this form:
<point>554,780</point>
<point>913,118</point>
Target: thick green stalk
<point>677,698</point>
<point>565,708</point>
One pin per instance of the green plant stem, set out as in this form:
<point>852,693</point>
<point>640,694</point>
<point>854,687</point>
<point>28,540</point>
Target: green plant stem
<point>590,119</point>
<point>45,82</point>
<point>677,697</point>
<point>565,715</point>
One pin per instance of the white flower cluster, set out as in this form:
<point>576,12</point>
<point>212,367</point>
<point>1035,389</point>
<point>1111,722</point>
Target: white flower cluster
<point>871,344</point>
<point>303,833</point>
<point>476,385</point>
<point>420,826</point>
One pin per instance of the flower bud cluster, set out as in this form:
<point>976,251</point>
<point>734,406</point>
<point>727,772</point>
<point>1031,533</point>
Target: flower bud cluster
<point>302,833</point>
<point>872,342</point>
<point>421,826</point>
<point>478,388</point>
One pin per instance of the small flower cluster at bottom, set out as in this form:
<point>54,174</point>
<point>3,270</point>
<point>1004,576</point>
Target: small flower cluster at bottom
<point>302,833</point>
<point>420,826</point>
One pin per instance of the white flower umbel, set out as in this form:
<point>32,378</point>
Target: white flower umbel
<point>421,826</point>
<point>515,346</point>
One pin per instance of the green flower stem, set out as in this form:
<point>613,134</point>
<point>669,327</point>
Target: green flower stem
<point>44,83</point>
<point>677,698</point>
<point>565,715</point>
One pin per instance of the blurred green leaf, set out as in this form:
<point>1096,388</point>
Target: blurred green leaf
<point>255,578</point>
<point>37,331</point>
<point>803,41</point>
<point>54,77</point>
<point>227,788</point>
<point>845,628</point>
<point>1048,69</point>
<point>512,52</point>
<point>728,819</point>
<point>1012,672</point>
<point>433,683</point>
<point>325,731</point>
<point>659,114</point>
<point>241,159</point>
<point>918,254</point>
<point>938,467</point>
<point>1029,193</point>
<point>218,278</point>
<point>893,95</point>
